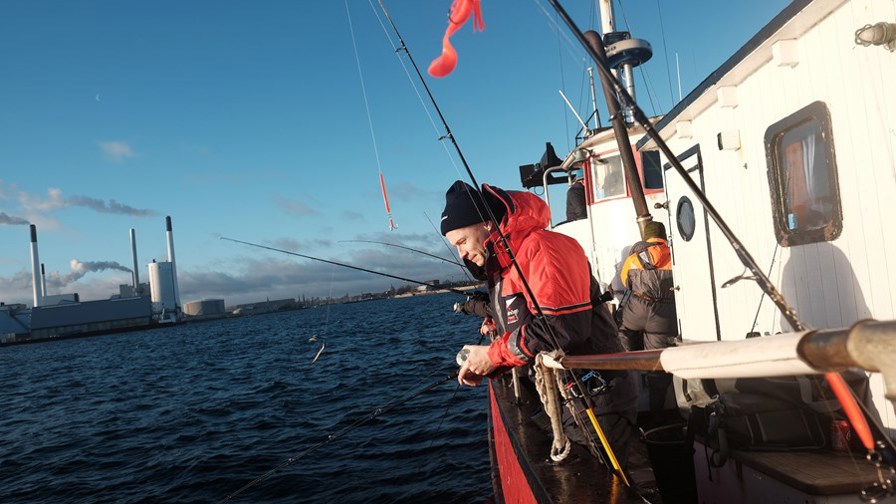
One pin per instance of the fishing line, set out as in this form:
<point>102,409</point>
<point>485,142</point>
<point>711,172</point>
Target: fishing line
<point>398,401</point>
<point>539,313</point>
<point>447,246</point>
<point>762,297</point>
<point>376,152</point>
<point>448,407</point>
<point>397,50</point>
<point>491,217</point>
<point>434,286</point>
<point>326,317</point>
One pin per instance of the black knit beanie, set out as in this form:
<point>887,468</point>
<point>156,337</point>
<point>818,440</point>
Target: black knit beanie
<point>654,229</point>
<point>464,207</point>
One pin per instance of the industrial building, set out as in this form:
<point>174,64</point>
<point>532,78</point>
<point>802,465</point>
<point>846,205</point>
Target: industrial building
<point>204,308</point>
<point>65,315</point>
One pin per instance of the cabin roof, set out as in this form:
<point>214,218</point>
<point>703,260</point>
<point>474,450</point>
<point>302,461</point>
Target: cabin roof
<point>745,60</point>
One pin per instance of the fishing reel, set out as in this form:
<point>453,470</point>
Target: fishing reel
<point>593,383</point>
<point>462,356</point>
<point>477,303</point>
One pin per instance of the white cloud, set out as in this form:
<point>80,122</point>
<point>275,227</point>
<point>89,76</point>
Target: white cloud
<point>295,207</point>
<point>116,151</point>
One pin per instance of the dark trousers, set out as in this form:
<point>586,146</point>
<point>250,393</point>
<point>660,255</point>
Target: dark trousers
<point>650,325</point>
<point>616,411</point>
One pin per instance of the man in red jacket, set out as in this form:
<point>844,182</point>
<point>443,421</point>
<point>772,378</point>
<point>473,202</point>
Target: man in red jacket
<point>557,271</point>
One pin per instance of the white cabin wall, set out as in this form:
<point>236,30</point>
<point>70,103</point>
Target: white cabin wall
<point>871,74</point>
<point>831,284</point>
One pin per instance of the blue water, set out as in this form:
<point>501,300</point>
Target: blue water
<point>194,412</point>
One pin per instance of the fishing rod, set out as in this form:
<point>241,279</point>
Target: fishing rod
<point>335,435</point>
<point>449,261</point>
<point>491,216</point>
<point>593,45</point>
<point>434,286</point>
<point>539,313</point>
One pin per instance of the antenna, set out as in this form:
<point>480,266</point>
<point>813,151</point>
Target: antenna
<point>594,98</point>
<point>678,74</point>
<point>585,126</point>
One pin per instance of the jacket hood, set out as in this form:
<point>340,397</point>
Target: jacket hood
<point>526,212</point>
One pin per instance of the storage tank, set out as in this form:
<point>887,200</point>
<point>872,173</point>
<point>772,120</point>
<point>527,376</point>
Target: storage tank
<point>204,307</point>
<point>162,285</point>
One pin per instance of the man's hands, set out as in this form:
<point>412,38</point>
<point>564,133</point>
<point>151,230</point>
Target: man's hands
<point>476,367</point>
<point>488,326</point>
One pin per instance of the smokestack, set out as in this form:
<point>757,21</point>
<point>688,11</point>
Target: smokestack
<point>43,279</point>
<point>171,260</point>
<point>35,269</point>
<point>136,274</point>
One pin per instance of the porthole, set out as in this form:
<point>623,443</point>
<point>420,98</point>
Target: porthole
<point>684,218</point>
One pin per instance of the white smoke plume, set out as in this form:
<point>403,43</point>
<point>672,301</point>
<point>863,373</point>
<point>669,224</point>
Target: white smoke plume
<point>79,269</point>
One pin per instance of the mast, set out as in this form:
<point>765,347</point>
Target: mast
<point>624,54</point>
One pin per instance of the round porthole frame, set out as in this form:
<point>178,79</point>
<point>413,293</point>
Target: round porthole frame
<point>687,223</point>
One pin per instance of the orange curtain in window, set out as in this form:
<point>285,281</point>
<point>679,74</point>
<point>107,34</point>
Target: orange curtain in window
<point>795,192</point>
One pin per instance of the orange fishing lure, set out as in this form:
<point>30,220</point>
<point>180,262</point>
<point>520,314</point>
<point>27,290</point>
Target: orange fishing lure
<point>458,15</point>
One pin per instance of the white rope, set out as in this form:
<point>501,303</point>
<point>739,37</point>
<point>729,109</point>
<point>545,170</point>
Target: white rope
<point>547,385</point>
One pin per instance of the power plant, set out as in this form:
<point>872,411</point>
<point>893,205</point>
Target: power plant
<point>137,305</point>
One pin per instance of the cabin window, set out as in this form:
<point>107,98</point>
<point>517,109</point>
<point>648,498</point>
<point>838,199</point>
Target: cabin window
<point>684,217</point>
<point>609,181</point>
<point>803,177</point>
<point>652,170</point>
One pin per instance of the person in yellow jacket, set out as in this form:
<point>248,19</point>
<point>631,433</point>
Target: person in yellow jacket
<point>648,320</point>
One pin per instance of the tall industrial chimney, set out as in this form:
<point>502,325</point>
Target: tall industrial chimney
<point>35,269</point>
<point>171,259</point>
<point>43,279</point>
<point>136,275</point>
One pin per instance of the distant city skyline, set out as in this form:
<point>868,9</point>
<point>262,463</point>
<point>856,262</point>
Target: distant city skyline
<point>262,123</point>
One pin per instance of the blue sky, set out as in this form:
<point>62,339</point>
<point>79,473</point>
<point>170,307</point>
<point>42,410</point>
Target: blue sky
<point>249,121</point>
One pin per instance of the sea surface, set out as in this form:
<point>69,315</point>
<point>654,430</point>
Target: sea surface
<point>193,413</point>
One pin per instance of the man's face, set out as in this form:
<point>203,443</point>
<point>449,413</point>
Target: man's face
<point>470,242</point>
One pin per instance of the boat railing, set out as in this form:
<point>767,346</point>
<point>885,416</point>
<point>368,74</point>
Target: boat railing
<point>868,344</point>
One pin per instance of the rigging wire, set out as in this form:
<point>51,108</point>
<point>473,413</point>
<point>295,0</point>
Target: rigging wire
<point>665,50</point>
<point>645,76</point>
<point>376,151</point>
<point>398,401</point>
<point>563,41</point>
<point>571,46</point>
<point>835,380</point>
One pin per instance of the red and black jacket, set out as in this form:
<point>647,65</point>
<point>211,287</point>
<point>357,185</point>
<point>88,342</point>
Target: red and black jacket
<point>559,275</point>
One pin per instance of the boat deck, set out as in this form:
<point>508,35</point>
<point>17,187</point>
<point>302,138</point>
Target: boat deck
<point>581,478</point>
